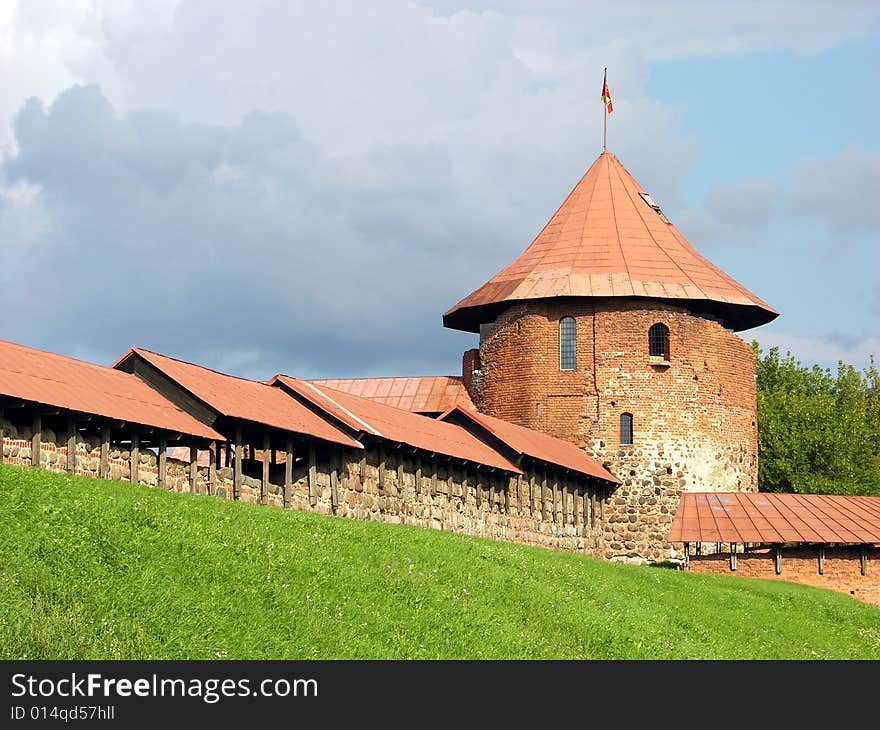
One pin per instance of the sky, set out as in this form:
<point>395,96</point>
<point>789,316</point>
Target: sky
<point>306,187</point>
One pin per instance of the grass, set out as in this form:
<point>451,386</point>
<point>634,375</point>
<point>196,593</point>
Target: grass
<point>104,570</point>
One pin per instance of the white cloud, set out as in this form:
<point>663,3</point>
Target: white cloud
<point>825,351</point>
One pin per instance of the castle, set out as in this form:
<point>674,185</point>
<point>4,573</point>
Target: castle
<point>608,381</point>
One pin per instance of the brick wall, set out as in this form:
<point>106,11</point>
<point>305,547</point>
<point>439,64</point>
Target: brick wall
<point>694,420</point>
<point>842,569</point>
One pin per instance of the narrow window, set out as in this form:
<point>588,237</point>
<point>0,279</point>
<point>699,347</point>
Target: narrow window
<point>626,429</point>
<point>658,341</point>
<point>567,344</point>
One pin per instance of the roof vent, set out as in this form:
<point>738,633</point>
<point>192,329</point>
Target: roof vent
<point>653,203</point>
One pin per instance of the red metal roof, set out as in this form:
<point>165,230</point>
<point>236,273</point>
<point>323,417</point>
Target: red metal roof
<point>63,382</point>
<point>766,517</point>
<point>538,445</point>
<point>242,398</point>
<point>395,424</point>
<point>607,241</point>
<point>427,394</point>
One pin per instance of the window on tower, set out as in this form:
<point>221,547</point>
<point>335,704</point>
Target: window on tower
<point>567,344</point>
<point>626,429</point>
<point>658,342</point>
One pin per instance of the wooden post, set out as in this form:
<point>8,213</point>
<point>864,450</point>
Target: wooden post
<point>2,435</point>
<point>134,459</point>
<point>532,494</point>
<point>491,492</point>
<point>363,466</point>
<point>556,507</point>
<point>478,488</point>
<point>193,468</point>
<point>778,556</point>
<point>433,477</point>
<point>162,461</point>
<point>464,485</point>
<point>863,559</point>
<point>381,479</point>
<point>236,471</point>
<point>213,456</point>
<point>313,496</point>
<point>733,556</point>
<point>264,482</point>
<point>288,471</point>
<point>821,560</point>
<point>594,507</point>
<point>71,445</point>
<point>37,441</point>
<point>543,501</point>
<point>418,474</point>
<point>105,452</point>
<point>335,460</point>
<point>518,486</point>
<point>450,479</point>
<point>400,473</point>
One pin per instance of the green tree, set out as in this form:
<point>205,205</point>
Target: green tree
<point>817,432</point>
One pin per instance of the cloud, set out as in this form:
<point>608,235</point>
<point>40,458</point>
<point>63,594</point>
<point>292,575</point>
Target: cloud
<point>841,191</point>
<point>826,351</point>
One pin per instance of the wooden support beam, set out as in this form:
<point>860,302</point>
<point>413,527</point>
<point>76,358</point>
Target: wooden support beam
<point>2,435</point>
<point>450,478</point>
<point>478,488</point>
<point>381,479</point>
<point>733,556</point>
<point>162,461</point>
<point>37,440</point>
<point>491,493</point>
<point>400,473</point>
<point>863,559</point>
<point>267,460</point>
<point>105,453</point>
<point>134,458</point>
<point>778,558</point>
<point>71,444</point>
<point>193,468</point>
<point>532,494</point>
<point>335,461</point>
<point>465,486</point>
<point>236,471</point>
<point>594,507</point>
<point>433,477</point>
<point>556,506</point>
<point>821,560</point>
<point>543,500</point>
<point>518,487</point>
<point>313,487</point>
<point>418,474</point>
<point>213,459</point>
<point>288,471</point>
<point>362,467</point>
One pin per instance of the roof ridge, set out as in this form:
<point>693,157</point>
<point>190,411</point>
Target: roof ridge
<point>379,377</point>
<point>201,367</point>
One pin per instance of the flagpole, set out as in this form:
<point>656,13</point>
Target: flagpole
<point>604,114</point>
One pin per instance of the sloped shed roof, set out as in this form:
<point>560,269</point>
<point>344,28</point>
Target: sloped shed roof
<point>76,385</point>
<point>766,517</point>
<point>426,394</point>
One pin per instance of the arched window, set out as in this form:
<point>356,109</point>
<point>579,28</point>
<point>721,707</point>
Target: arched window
<point>567,344</point>
<point>626,429</point>
<point>658,341</point>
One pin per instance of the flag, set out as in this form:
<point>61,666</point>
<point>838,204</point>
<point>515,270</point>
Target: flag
<point>606,94</point>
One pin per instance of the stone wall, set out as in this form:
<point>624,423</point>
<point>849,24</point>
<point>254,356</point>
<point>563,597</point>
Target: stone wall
<point>398,486</point>
<point>841,570</point>
<point>694,418</point>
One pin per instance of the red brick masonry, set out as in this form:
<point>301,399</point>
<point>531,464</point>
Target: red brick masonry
<point>842,569</point>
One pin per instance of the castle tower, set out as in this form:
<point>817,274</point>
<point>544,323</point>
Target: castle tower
<point>610,330</point>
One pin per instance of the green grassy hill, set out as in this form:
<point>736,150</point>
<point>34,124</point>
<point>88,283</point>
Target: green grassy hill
<point>97,569</point>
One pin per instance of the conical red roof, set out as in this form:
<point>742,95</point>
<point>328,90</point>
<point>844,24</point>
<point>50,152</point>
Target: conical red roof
<point>606,240</point>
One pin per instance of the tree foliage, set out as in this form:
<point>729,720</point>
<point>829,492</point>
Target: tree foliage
<point>817,432</point>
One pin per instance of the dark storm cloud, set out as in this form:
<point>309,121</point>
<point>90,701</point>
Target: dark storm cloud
<point>238,246</point>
